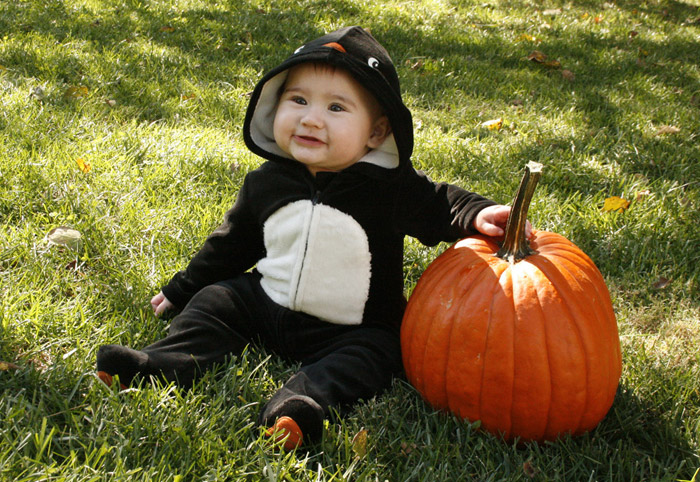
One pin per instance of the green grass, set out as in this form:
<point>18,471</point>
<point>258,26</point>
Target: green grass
<point>152,95</point>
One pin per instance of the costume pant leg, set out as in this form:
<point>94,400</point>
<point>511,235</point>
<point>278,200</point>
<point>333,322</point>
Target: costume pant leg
<point>219,321</point>
<point>341,365</point>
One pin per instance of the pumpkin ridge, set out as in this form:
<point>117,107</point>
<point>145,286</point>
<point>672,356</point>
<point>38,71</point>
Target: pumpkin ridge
<point>600,320</point>
<point>547,341</point>
<point>425,284</point>
<point>505,272</point>
<point>453,268</point>
<point>465,307</point>
<point>527,422</point>
<point>608,323</point>
<point>540,262</point>
<point>572,300</point>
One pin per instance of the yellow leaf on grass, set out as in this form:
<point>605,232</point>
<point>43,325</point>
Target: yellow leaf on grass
<point>359,443</point>
<point>83,165</point>
<point>75,91</point>
<point>493,125</point>
<point>537,56</point>
<point>615,203</point>
<point>526,37</point>
<point>167,28</point>
<point>188,96</point>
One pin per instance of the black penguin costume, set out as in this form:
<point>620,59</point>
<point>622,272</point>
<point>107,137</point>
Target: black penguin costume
<point>309,266</point>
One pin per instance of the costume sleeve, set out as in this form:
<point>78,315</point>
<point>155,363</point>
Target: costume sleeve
<point>234,247</point>
<point>434,212</point>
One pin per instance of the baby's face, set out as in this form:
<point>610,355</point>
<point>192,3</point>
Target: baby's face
<point>326,120</point>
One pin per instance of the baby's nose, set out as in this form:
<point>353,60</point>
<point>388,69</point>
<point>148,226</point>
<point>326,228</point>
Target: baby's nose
<point>312,117</point>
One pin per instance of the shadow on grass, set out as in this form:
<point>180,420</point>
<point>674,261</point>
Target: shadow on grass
<point>637,440</point>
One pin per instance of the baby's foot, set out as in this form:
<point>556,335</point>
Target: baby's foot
<point>119,360</point>
<point>286,429</point>
<point>108,380</point>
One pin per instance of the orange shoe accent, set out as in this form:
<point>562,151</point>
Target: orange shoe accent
<point>108,380</point>
<point>285,428</point>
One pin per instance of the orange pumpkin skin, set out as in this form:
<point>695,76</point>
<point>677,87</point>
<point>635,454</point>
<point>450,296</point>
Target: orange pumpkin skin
<point>530,349</point>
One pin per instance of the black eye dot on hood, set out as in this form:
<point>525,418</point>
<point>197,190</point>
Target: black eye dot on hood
<point>372,62</point>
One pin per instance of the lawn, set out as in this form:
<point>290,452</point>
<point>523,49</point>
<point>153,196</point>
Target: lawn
<point>120,121</point>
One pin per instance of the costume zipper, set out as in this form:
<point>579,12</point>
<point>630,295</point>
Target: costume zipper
<point>314,202</point>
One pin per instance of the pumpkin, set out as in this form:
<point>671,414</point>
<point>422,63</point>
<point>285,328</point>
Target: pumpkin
<point>521,337</point>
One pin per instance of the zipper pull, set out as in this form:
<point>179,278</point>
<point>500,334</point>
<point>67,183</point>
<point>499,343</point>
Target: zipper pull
<point>317,195</point>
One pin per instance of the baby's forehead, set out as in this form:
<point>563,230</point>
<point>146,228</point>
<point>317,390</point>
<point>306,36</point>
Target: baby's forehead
<point>308,69</point>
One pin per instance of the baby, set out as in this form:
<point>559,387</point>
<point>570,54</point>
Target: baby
<point>309,260</point>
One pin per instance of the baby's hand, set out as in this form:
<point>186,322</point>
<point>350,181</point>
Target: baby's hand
<point>161,304</point>
<point>491,221</point>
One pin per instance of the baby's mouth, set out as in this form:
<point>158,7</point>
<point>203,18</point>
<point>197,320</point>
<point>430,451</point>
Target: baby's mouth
<point>308,140</point>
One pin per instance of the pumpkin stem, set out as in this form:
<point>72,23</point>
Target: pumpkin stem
<point>515,246</point>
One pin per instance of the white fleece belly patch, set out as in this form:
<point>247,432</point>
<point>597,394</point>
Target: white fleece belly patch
<point>318,262</point>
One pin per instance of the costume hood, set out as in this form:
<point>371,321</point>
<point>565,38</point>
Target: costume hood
<point>356,51</point>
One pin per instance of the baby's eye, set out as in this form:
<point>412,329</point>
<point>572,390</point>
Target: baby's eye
<point>336,108</point>
<point>298,100</point>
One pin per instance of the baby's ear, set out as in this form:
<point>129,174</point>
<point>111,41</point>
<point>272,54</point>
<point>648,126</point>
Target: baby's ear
<point>380,131</point>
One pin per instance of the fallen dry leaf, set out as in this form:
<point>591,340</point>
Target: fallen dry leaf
<point>664,130</point>
<point>359,443</point>
<point>406,448</point>
<point>75,91</point>
<point>661,283</point>
<point>552,12</point>
<point>167,28</point>
<point>493,125</point>
<point>537,56</point>
<point>416,65</point>
<point>83,165</point>
<point>642,195</point>
<point>5,366</point>
<point>568,75</point>
<point>615,203</point>
<point>526,37</point>
<point>529,469</point>
<point>64,236</point>
<point>540,58</point>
